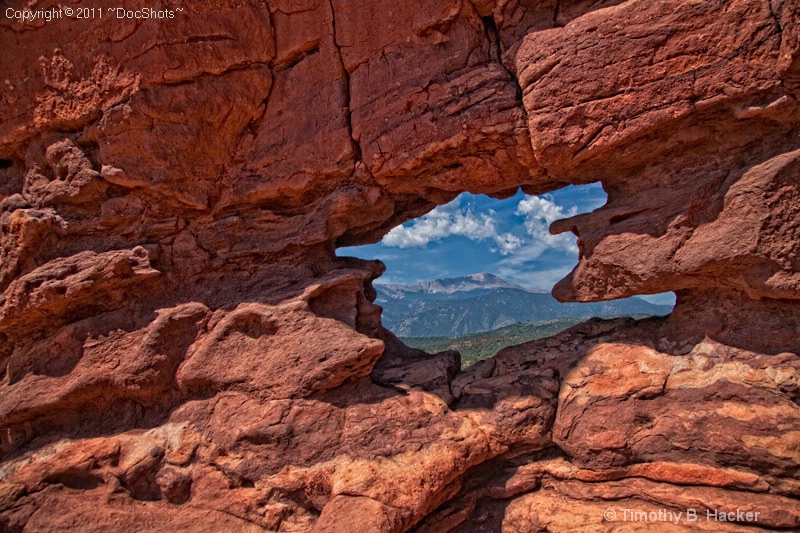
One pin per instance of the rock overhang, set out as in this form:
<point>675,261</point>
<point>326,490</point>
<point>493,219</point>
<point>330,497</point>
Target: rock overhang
<point>173,193</point>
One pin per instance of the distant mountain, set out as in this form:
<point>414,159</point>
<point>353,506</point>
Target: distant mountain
<point>451,285</point>
<point>483,302</point>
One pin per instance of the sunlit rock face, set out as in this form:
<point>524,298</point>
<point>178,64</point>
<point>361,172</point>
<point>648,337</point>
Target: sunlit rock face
<point>181,349</point>
<point>690,120</point>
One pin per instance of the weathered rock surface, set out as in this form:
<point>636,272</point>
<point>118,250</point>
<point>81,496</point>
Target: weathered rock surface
<point>180,348</point>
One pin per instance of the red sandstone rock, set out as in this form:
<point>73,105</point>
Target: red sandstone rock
<point>182,350</point>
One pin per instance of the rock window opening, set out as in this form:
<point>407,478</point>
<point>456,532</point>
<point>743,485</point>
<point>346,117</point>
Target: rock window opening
<point>475,274</point>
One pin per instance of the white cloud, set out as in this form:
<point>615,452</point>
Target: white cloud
<point>507,243</point>
<point>521,267</point>
<point>448,220</point>
<point>539,213</point>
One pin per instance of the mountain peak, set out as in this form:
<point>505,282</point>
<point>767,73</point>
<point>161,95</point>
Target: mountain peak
<point>470,282</point>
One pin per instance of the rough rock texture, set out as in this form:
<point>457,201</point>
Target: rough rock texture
<point>182,350</point>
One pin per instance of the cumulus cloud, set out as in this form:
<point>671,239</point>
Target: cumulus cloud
<point>539,212</point>
<point>526,266</point>
<point>507,243</point>
<point>448,220</point>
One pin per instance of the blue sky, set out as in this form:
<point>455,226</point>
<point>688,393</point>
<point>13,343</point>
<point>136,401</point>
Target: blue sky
<point>475,233</point>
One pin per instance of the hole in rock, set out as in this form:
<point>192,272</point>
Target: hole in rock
<point>475,275</point>
<point>75,480</point>
<point>5,163</point>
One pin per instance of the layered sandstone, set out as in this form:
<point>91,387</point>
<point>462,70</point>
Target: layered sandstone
<point>182,350</point>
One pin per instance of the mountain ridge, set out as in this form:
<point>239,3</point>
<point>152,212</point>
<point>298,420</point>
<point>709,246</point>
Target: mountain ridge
<point>480,280</point>
<point>481,303</point>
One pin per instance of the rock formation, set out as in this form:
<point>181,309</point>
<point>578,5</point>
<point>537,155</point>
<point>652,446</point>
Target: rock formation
<point>182,350</point>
